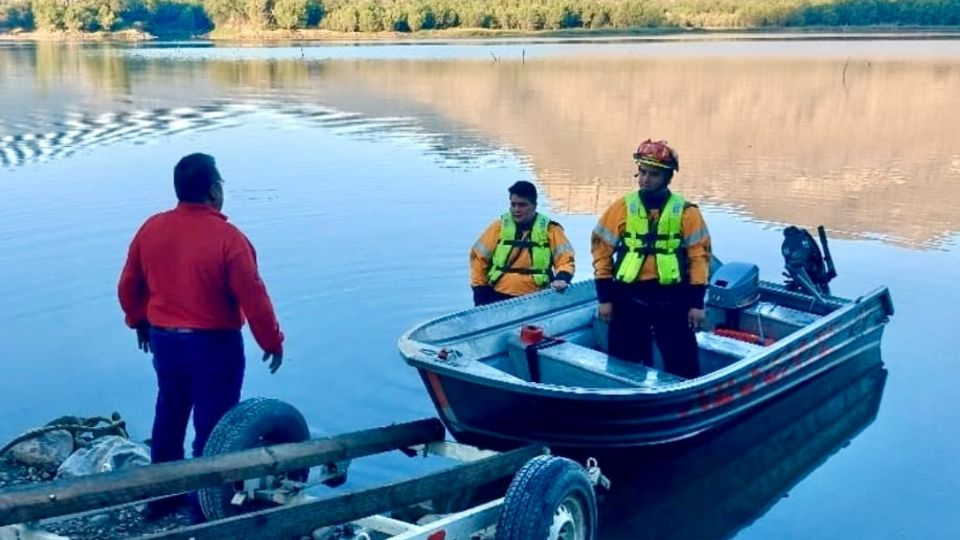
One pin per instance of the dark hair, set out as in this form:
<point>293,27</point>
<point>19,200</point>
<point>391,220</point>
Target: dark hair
<point>667,175</point>
<point>193,176</point>
<point>524,189</point>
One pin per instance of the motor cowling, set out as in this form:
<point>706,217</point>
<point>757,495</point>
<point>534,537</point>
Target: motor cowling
<point>806,268</point>
<point>735,285</point>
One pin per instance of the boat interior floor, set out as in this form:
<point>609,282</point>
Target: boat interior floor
<point>569,363</point>
<point>579,359</point>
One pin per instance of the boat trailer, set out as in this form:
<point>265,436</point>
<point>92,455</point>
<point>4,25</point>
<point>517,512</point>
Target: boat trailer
<point>263,492</point>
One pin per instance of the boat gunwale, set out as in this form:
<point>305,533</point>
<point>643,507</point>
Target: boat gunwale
<point>414,352</point>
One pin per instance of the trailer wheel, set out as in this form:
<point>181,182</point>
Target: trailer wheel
<point>550,498</point>
<point>250,424</point>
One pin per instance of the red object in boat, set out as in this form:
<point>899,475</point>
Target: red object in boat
<point>742,336</point>
<point>531,334</point>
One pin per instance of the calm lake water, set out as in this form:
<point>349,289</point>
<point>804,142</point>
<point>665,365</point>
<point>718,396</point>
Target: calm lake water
<point>364,172</point>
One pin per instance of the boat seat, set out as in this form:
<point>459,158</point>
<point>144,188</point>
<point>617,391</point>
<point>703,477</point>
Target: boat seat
<point>568,363</point>
<point>707,341</point>
<point>726,346</point>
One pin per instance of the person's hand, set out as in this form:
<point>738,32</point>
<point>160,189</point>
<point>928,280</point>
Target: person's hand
<point>559,285</point>
<point>605,311</point>
<point>143,337</point>
<point>695,318</point>
<point>276,359</point>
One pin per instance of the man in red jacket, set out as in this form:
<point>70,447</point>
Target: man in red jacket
<point>189,280</point>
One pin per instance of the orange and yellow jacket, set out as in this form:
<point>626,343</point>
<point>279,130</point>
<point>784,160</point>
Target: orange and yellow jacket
<point>515,284</point>
<point>607,237</point>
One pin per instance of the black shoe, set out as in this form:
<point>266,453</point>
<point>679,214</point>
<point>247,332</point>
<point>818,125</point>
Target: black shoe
<point>162,508</point>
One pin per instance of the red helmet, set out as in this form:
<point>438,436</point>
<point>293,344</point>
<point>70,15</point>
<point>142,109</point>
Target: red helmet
<point>657,154</point>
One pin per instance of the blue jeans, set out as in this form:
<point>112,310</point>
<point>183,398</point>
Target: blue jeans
<point>199,370</point>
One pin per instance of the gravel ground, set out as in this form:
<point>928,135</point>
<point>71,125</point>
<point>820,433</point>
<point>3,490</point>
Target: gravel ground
<point>115,524</point>
<point>124,522</point>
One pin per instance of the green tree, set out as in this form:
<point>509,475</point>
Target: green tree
<point>106,18</point>
<point>48,14</point>
<point>562,15</point>
<point>342,19</point>
<point>16,14</point>
<point>290,14</point>
<point>80,16</point>
<point>420,17</point>
<point>414,15</point>
<point>225,13</point>
<point>258,13</point>
<point>595,15</point>
<point>314,12</point>
<point>370,17</point>
<point>476,15</point>
<point>531,17</point>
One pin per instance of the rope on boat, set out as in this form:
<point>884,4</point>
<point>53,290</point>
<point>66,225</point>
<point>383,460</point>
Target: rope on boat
<point>76,426</point>
<point>741,335</point>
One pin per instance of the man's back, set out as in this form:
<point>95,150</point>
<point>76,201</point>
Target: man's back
<point>183,255</point>
<point>189,268</point>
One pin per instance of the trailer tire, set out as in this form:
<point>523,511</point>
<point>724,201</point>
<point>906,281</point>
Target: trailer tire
<point>550,498</point>
<point>252,423</point>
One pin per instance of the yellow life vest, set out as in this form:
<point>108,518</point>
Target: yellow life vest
<point>639,241</point>
<point>538,243</point>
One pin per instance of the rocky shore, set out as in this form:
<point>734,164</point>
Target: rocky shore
<point>124,522</point>
<point>70,447</point>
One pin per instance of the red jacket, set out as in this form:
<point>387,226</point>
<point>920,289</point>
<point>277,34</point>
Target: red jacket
<point>189,268</point>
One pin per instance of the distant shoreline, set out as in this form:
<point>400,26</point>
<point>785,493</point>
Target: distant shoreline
<point>667,33</point>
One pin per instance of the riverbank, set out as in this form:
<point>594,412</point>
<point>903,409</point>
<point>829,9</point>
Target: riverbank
<point>73,37</point>
<point>314,34</point>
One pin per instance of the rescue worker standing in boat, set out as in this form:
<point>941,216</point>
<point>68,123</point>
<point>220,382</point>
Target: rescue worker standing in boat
<point>655,288</point>
<point>190,279</point>
<point>520,253</point>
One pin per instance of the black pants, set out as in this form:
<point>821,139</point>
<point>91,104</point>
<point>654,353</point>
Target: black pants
<point>646,311</point>
<point>487,295</point>
<point>200,371</point>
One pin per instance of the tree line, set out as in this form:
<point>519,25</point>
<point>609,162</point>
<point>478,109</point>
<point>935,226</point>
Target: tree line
<point>200,16</point>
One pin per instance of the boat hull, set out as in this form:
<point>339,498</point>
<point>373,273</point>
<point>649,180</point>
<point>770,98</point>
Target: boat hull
<point>499,412</point>
<point>497,417</point>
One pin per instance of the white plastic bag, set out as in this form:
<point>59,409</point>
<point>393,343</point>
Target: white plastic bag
<point>110,453</point>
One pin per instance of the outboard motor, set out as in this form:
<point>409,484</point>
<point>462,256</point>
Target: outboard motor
<point>807,269</point>
<point>733,286</point>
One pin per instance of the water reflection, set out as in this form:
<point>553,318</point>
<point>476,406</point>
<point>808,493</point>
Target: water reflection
<point>79,132</point>
<point>714,486</point>
<point>857,156</point>
<point>859,142</point>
